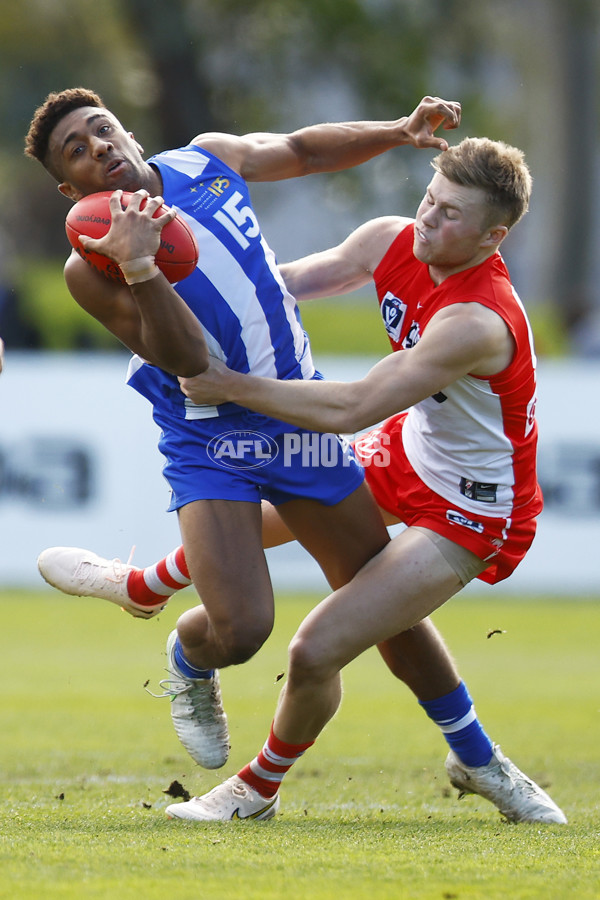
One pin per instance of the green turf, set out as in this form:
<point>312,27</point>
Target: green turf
<point>86,755</point>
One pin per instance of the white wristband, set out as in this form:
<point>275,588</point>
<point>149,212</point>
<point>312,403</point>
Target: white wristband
<point>137,270</point>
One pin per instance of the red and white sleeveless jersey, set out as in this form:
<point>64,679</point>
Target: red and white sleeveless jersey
<point>475,442</point>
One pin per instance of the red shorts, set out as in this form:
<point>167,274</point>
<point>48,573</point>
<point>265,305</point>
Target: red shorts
<point>398,489</point>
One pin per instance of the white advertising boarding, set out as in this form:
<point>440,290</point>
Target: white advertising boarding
<point>79,467</point>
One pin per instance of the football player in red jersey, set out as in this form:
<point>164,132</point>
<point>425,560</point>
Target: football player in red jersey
<point>461,470</point>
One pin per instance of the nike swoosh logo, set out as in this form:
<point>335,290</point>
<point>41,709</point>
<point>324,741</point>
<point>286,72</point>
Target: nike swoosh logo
<point>254,815</point>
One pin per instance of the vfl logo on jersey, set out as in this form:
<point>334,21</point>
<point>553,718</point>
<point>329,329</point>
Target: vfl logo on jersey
<point>458,519</point>
<point>393,312</point>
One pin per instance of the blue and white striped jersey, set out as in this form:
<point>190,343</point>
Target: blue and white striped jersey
<point>249,319</point>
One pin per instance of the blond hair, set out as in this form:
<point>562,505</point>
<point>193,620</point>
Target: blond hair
<point>497,168</point>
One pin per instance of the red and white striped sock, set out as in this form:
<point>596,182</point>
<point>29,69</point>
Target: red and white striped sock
<point>265,772</point>
<point>153,584</point>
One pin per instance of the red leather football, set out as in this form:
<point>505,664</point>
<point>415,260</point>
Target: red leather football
<point>177,255</point>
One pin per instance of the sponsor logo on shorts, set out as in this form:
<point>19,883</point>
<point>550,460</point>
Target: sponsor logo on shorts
<point>458,519</point>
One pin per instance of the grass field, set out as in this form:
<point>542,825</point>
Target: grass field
<point>86,756</point>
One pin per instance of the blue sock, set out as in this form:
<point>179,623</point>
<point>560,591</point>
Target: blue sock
<point>455,715</point>
<point>185,666</point>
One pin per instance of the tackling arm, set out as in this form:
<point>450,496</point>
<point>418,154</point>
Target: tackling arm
<point>461,339</point>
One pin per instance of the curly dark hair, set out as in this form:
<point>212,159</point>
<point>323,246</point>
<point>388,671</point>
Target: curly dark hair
<point>49,114</point>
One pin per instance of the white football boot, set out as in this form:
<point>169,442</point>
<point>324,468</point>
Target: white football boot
<point>197,713</point>
<point>517,797</point>
<point>233,799</point>
<point>85,574</point>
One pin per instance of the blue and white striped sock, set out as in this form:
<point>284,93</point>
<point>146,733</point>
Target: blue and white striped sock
<point>455,715</point>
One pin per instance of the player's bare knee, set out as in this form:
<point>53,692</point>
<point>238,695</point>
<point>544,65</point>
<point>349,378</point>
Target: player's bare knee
<point>232,640</point>
<point>306,662</point>
<point>241,643</point>
<point>241,637</point>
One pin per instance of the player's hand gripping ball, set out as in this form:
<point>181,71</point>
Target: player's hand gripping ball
<point>177,255</point>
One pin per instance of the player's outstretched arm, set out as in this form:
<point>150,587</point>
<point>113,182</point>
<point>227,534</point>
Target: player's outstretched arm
<point>332,147</point>
<point>461,339</point>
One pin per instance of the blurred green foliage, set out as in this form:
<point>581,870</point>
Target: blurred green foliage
<point>171,71</point>
<point>345,325</point>
<point>337,325</point>
<point>60,322</point>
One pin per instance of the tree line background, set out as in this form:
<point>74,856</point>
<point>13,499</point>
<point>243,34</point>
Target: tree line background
<point>526,72</point>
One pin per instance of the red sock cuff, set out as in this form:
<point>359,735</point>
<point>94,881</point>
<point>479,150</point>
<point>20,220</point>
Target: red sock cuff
<point>281,748</point>
<point>139,591</point>
<point>266,772</point>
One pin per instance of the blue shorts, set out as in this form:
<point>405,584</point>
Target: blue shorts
<point>246,456</point>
